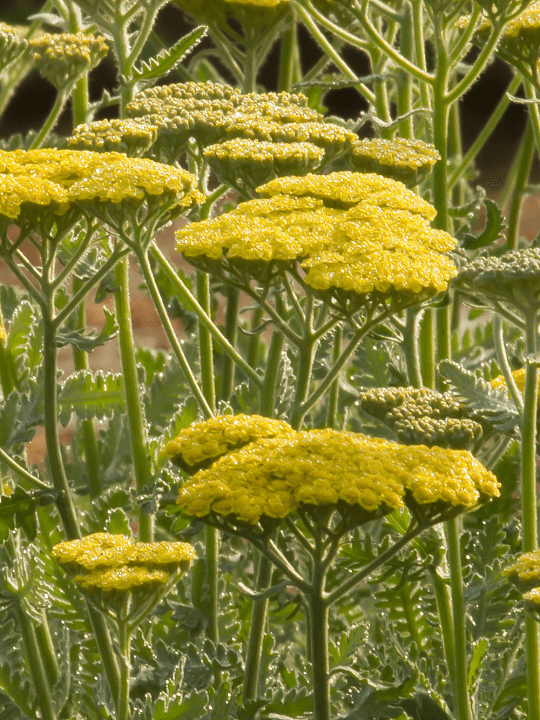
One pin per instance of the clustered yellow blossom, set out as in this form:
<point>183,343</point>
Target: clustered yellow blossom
<point>125,136</point>
<point>356,232</point>
<point>207,441</point>
<point>61,58</point>
<point>218,12</point>
<point>525,572</point>
<point>527,20</point>
<point>273,477</point>
<point>62,177</point>
<point>116,562</point>
<point>499,383</point>
<point>213,113</point>
<point>407,160</point>
<point>256,162</point>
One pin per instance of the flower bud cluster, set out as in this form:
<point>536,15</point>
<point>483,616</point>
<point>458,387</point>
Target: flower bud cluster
<point>106,562</point>
<point>273,477</point>
<point>213,113</point>
<point>525,574</point>
<point>11,44</point>
<point>422,416</point>
<point>513,277</point>
<point>357,232</point>
<point>125,136</point>
<point>62,58</point>
<point>409,161</point>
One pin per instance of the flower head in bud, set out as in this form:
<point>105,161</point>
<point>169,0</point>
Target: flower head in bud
<point>409,161</point>
<point>203,443</point>
<point>422,416</point>
<point>11,44</point>
<point>513,278</point>
<point>125,136</point>
<point>62,58</point>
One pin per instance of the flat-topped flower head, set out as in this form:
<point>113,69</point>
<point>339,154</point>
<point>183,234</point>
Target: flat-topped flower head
<point>157,98</point>
<point>12,44</point>
<point>525,572</point>
<point>254,13</point>
<point>346,189</point>
<point>107,180</point>
<point>203,443</point>
<point>125,136</point>
<point>114,569</point>
<point>531,602</point>
<point>513,278</point>
<point>272,478</point>
<point>63,57</point>
<point>409,161</point>
<point>255,162</point>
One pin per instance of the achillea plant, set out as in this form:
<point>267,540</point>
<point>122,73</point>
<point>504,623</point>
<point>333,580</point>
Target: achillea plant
<point>315,497</point>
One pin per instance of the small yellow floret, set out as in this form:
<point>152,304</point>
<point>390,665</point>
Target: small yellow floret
<point>122,578</point>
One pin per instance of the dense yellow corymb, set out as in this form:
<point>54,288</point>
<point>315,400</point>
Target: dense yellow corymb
<point>273,477</point>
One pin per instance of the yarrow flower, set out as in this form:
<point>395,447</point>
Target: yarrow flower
<point>11,44</point>
<point>271,478</point>
<point>357,232</point>
<point>117,563</point>
<point>203,443</point>
<point>525,572</point>
<point>63,177</point>
<point>409,161</point>
<point>125,136</point>
<point>63,57</point>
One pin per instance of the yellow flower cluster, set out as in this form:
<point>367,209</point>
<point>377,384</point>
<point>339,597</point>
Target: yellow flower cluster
<point>212,113</point>
<point>499,383</point>
<point>273,477</point>
<point>62,58</point>
<point>126,136</point>
<point>255,162</point>
<point>528,20</point>
<point>42,177</point>
<point>218,12</point>
<point>116,562</point>
<point>407,160</point>
<point>525,572</point>
<point>207,441</point>
<point>357,232</point>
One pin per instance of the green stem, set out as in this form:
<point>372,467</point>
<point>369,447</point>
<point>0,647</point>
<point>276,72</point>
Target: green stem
<point>31,479</point>
<point>91,452</point>
<point>212,579</point>
<point>404,91</point>
<point>35,666</point>
<point>171,335</point>
<point>46,649</point>
<point>141,462</point>
<point>534,112</point>
<point>192,303</point>
<point>410,347</point>
<point>318,636</point>
<point>333,395</point>
<point>502,359</point>
<point>206,357</point>
<point>256,632</point>
<point>526,153</point>
<point>231,333</point>
<point>460,659</point>
<point>306,356</point>
<point>289,70</point>
<point>446,623</point>
<point>255,340</point>
<point>124,642</point>
<point>528,442</point>
<point>273,360</point>
<point>61,99</point>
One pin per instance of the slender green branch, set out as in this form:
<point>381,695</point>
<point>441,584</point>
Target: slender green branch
<point>171,335</point>
<point>478,66</point>
<point>135,413</point>
<point>502,359</point>
<point>35,666</point>
<point>377,562</point>
<point>231,333</point>
<point>193,304</point>
<point>256,632</point>
<point>333,396</point>
<point>525,155</point>
<point>24,474</point>
<point>460,659</point>
<point>461,48</point>
<point>53,116</point>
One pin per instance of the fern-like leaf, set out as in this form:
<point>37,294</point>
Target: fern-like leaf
<point>168,59</point>
<point>91,395</point>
